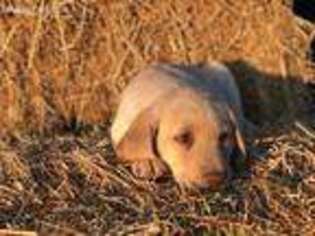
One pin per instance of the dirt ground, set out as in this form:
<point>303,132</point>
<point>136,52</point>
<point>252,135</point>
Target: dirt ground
<point>63,64</point>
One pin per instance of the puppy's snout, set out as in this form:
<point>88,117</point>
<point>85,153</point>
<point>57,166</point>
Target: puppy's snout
<point>211,180</point>
<point>216,176</point>
<point>217,164</point>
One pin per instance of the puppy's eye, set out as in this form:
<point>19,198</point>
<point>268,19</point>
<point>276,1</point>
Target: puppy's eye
<point>223,137</point>
<point>186,139</point>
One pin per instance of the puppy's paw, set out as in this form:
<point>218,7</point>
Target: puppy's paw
<point>148,169</point>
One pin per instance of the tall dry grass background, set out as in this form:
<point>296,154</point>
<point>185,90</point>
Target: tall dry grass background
<point>63,64</point>
<point>63,60</point>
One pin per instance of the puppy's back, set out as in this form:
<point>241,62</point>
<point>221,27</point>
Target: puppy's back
<point>215,79</point>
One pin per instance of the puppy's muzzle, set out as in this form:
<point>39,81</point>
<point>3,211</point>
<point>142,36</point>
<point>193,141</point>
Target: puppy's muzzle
<point>212,180</point>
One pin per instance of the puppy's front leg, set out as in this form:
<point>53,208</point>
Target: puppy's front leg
<point>150,169</point>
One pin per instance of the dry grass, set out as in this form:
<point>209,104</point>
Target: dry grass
<point>68,182</point>
<point>62,67</point>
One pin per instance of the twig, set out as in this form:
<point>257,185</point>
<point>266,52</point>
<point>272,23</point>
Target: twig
<point>10,232</point>
<point>304,130</point>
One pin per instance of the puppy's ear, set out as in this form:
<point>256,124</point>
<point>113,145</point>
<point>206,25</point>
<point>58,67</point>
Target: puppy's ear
<point>240,144</point>
<point>140,141</point>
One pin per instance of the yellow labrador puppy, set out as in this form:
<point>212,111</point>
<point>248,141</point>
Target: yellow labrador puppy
<point>182,119</point>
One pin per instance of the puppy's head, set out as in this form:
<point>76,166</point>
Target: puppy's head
<point>196,138</point>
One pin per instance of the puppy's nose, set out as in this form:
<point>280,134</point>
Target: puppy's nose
<point>216,174</point>
<point>215,178</point>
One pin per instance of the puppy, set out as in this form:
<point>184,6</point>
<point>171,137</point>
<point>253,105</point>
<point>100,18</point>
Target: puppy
<point>182,119</point>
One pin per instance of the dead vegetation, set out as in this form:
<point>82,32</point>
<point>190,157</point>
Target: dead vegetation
<point>62,67</point>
